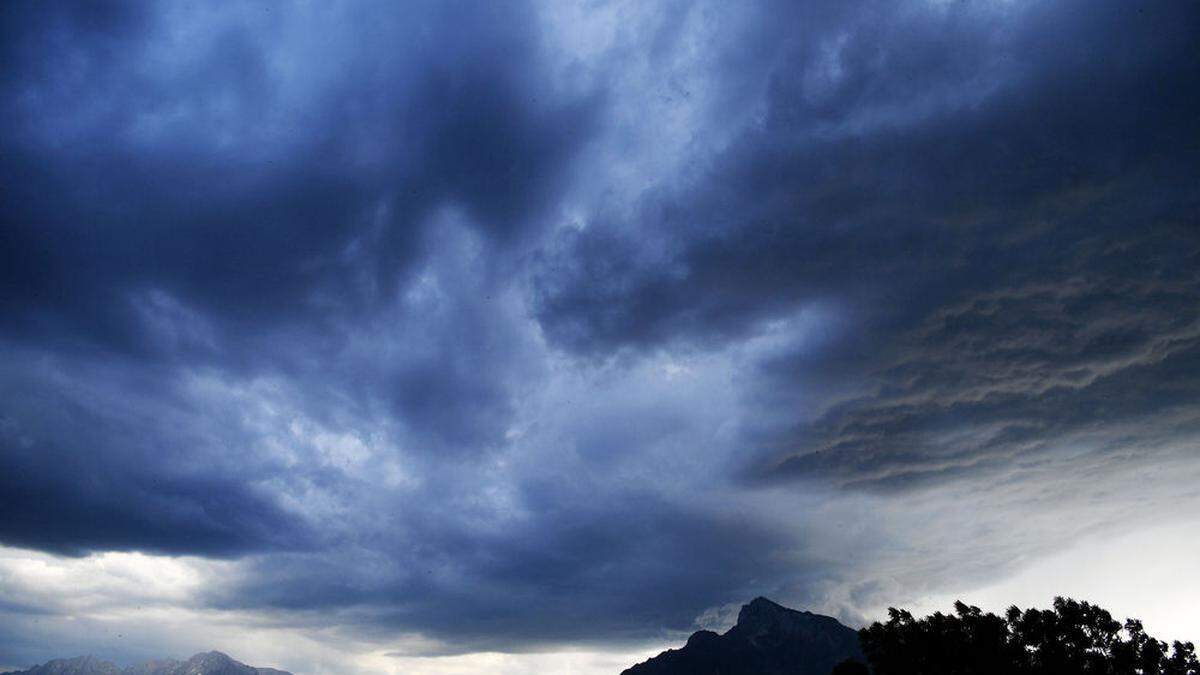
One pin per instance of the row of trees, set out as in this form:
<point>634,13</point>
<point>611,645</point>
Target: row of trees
<point>1072,638</point>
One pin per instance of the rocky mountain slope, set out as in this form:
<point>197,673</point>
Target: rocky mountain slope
<point>208,663</point>
<point>768,639</point>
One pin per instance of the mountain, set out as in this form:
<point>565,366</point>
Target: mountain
<point>208,663</point>
<point>80,665</point>
<point>768,639</point>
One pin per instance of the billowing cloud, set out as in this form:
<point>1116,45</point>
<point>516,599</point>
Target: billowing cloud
<point>452,333</point>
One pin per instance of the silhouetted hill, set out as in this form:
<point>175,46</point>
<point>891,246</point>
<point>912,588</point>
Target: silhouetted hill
<point>208,663</point>
<point>768,639</point>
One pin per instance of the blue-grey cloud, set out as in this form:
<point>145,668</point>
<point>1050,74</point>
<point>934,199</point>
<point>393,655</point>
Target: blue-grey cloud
<point>184,193</point>
<point>1008,175</point>
<point>467,321</point>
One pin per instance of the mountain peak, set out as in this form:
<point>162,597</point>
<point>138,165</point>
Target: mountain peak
<point>79,665</point>
<point>763,617</point>
<point>204,663</point>
<point>767,639</point>
<point>762,607</point>
<point>213,657</point>
<point>764,604</point>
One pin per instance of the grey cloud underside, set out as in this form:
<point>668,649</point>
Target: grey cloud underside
<point>1006,377</point>
<point>1004,213</point>
<point>561,576</point>
<point>293,290</point>
<point>906,183</point>
<point>87,466</point>
<point>257,241</point>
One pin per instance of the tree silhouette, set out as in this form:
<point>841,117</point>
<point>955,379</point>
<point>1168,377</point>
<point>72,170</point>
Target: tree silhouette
<point>1073,638</point>
<point>850,667</point>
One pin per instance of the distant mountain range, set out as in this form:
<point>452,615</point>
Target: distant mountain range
<point>208,663</point>
<point>768,639</point>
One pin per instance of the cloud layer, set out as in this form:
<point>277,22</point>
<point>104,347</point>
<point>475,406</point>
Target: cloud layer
<point>457,328</point>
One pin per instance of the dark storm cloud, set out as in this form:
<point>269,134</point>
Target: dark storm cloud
<point>292,288</point>
<point>177,193</point>
<point>915,170</point>
<point>217,184</point>
<point>1032,164</point>
<point>81,469</point>
<point>1088,360</point>
<point>564,571</point>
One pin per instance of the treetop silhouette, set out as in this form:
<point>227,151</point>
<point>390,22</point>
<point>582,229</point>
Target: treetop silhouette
<point>1072,638</point>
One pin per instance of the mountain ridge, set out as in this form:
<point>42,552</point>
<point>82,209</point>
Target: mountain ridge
<point>768,639</point>
<point>204,663</point>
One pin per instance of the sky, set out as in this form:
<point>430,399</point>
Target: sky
<point>456,337</point>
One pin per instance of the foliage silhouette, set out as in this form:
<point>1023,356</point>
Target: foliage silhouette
<point>1073,638</point>
<point>850,667</point>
